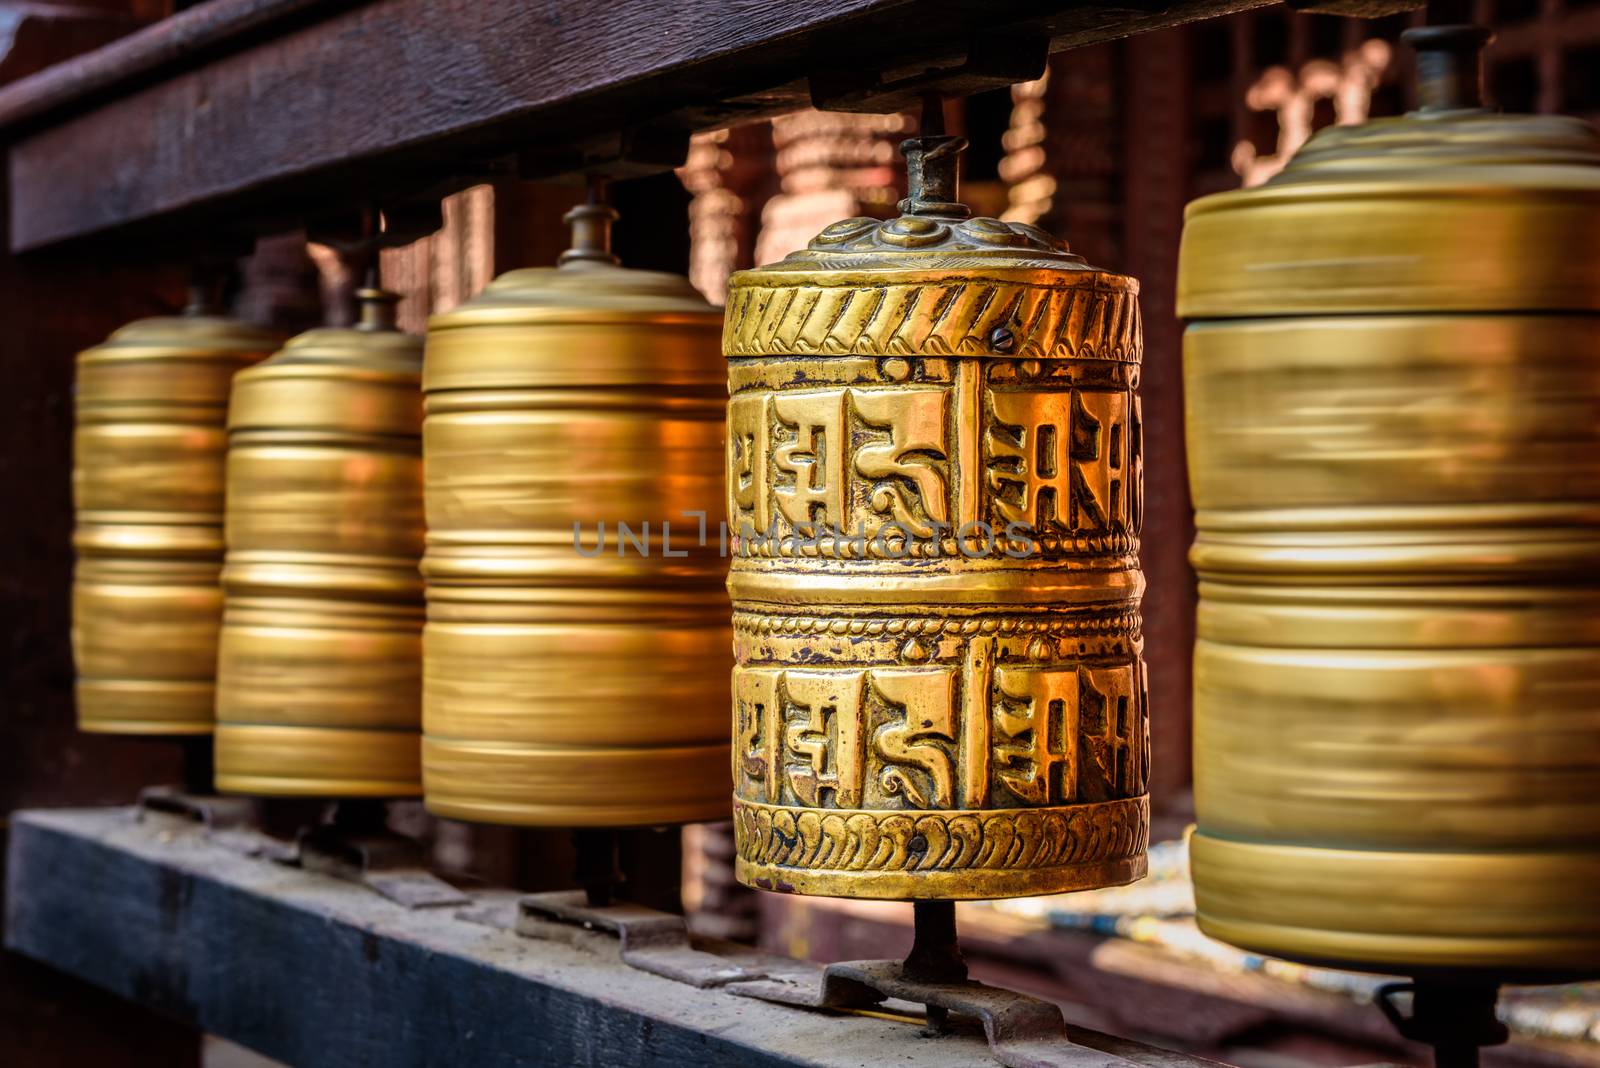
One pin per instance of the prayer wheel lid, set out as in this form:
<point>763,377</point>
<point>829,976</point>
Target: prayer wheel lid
<point>587,323</point>
<point>533,293</point>
<point>140,363</point>
<point>305,384</point>
<point>990,284</point>
<point>373,342</point>
<point>200,331</point>
<point>589,283</point>
<point>1451,207</point>
<point>203,332</point>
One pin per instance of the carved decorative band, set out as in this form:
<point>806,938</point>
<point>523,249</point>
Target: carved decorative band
<point>1015,839</point>
<point>943,316</point>
<point>992,543</point>
<point>1056,624</point>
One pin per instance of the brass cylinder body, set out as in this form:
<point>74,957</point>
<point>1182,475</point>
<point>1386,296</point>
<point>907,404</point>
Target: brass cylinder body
<point>575,674</point>
<point>934,465</point>
<point>1392,378</point>
<point>319,670</point>
<point>147,483</point>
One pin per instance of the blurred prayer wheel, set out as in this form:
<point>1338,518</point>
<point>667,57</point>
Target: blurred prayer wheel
<point>577,645</point>
<point>1392,371</point>
<point>934,465</point>
<point>319,672</point>
<point>147,480</point>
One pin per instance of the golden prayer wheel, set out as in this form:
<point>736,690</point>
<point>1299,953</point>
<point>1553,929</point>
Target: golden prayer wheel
<point>1392,372</point>
<point>319,670</point>
<point>147,480</point>
<point>934,471</point>
<point>576,654</point>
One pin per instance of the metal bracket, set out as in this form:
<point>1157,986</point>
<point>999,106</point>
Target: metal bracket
<point>1455,1018</point>
<point>358,233</point>
<point>654,942</point>
<point>1023,1032</point>
<point>990,61</point>
<point>638,151</point>
<point>213,812</point>
<point>230,822</point>
<point>391,864</point>
<point>1356,9</point>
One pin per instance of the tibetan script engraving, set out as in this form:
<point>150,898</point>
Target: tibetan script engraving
<point>809,461</point>
<point>825,731</point>
<point>1065,460</point>
<point>860,461</point>
<point>1038,718</point>
<point>917,762</point>
<point>907,483</point>
<point>938,737</point>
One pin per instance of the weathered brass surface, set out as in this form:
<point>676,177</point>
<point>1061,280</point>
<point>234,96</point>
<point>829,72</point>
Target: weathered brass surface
<point>934,469</point>
<point>1397,679</point>
<point>319,671</point>
<point>147,484</point>
<point>574,677</point>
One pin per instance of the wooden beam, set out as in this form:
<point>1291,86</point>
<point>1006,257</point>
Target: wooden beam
<point>280,108</point>
<point>321,973</point>
<point>163,48</point>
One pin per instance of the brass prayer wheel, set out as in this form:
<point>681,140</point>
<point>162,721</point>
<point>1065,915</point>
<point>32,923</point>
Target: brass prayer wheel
<point>577,646</point>
<point>147,483</point>
<point>934,471</point>
<point>1392,372</point>
<point>319,670</point>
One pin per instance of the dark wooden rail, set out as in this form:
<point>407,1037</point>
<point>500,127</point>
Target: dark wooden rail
<point>322,973</point>
<point>255,113</point>
<point>204,30</point>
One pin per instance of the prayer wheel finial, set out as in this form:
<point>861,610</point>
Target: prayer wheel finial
<point>591,224</point>
<point>376,308</point>
<point>1449,66</point>
<point>933,176</point>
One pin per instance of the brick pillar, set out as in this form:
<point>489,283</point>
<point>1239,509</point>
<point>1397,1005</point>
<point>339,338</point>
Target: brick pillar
<point>730,174</point>
<point>1062,166</point>
<point>830,165</point>
<point>280,285</point>
<point>448,267</point>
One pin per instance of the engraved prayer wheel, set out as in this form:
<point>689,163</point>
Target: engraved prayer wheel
<point>319,670</point>
<point>1392,370</point>
<point>934,467</point>
<point>577,644</point>
<point>147,481</point>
